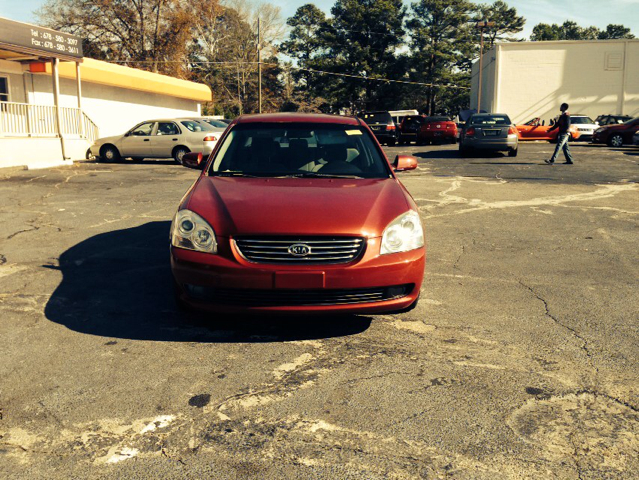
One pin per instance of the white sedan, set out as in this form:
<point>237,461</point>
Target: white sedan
<point>168,138</point>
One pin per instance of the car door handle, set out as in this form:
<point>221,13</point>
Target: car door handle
<point>147,140</point>
<point>175,139</point>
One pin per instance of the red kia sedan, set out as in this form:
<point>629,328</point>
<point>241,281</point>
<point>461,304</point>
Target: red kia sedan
<point>298,213</point>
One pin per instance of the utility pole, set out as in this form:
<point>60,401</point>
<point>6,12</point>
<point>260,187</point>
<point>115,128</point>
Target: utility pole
<point>259,68</point>
<point>481,25</point>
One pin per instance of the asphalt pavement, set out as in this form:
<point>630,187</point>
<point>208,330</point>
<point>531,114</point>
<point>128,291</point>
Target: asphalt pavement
<point>520,360</point>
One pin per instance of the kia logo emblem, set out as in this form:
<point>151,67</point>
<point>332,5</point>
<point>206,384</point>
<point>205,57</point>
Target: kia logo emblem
<point>299,250</point>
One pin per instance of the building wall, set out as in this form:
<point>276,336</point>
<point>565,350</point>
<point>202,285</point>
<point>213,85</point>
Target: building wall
<point>114,110</point>
<point>532,79</point>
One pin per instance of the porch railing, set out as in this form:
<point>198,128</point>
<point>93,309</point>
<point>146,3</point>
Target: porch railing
<point>27,120</point>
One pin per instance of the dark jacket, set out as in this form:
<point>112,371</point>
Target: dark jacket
<point>562,123</point>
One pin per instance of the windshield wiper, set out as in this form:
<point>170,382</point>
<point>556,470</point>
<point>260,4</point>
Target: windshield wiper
<point>231,173</point>
<point>320,175</point>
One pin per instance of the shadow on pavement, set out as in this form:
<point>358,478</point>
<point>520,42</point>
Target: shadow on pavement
<point>438,154</point>
<point>118,284</point>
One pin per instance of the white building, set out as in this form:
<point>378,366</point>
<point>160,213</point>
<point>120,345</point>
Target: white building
<point>54,102</point>
<point>532,79</point>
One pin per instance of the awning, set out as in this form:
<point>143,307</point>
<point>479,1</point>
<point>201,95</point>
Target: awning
<point>104,73</point>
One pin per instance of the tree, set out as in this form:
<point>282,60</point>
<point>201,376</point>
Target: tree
<point>507,22</point>
<point>149,34</point>
<point>614,32</point>
<point>442,46</point>
<point>307,44</point>
<point>569,30</point>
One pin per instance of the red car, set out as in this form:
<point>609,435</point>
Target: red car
<point>616,135</point>
<point>298,213</point>
<point>437,130</point>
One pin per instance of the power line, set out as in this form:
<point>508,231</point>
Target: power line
<point>310,70</point>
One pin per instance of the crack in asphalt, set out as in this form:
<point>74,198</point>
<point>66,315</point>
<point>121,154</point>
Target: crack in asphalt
<point>32,229</point>
<point>574,332</point>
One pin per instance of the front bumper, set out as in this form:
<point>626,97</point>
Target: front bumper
<point>229,284</point>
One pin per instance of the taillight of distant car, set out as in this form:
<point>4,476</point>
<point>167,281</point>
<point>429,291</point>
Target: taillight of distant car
<point>210,138</point>
<point>512,131</point>
<point>470,132</point>
<point>390,127</point>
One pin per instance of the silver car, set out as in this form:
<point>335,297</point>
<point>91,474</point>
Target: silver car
<point>165,138</point>
<point>489,131</point>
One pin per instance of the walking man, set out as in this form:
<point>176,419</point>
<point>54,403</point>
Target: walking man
<point>563,124</point>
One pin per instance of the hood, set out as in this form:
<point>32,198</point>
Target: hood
<point>103,140</point>
<point>297,206</point>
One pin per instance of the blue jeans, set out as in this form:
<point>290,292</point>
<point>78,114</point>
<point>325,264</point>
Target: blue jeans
<point>562,143</point>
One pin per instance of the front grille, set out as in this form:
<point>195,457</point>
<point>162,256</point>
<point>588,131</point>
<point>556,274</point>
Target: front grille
<point>323,250</point>
<point>295,298</point>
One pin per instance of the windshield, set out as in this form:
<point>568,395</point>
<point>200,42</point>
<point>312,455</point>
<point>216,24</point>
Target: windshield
<point>489,120</point>
<point>581,120</point>
<point>376,117</point>
<point>438,119</point>
<point>299,150</point>
<point>195,126</point>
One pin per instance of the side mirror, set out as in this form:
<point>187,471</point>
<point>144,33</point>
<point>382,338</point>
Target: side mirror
<point>404,162</point>
<point>193,160</point>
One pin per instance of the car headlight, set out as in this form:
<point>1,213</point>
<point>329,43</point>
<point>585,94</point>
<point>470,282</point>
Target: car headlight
<point>192,232</point>
<point>403,234</point>
<point>599,130</point>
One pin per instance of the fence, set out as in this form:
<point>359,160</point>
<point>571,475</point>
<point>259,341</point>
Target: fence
<point>26,120</point>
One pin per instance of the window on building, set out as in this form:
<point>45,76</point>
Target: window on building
<point>4,89</point>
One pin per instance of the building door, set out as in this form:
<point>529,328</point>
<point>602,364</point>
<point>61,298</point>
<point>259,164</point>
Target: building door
<point>166,137</point>
<point>137,142</point>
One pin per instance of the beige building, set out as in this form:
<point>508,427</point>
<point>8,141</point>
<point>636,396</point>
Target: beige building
<point>532,79</point>
<point>54,102</point>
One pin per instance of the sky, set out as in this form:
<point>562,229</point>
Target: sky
<point>585,12</point>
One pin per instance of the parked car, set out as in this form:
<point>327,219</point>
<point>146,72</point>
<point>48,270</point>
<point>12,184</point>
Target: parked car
<point>409,127</point>
<point>489,131</point>
<point>585,125</point>
<point>166,138</point>
<point>298,213</point>
<point>535,129</point>
<point>635,138</point>
<point>437,130</point>
<point>382,125</point>
<point>616,135</point>
<point>603,120</point>
<point>214,122</point>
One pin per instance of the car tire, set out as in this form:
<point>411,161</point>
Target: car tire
<point>615,141</point>
<point>110,153</point>
<point>391,142</point>
<point>513,152</point>
<point>464,151</point>
<point>178,153</point>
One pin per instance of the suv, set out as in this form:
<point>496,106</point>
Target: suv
<point>382,125</point>
<point>585,125</point>
<point>409,128</point>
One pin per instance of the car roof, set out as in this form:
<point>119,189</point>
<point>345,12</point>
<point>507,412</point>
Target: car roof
<point>297,118</point>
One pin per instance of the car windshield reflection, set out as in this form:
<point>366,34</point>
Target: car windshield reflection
<point>299,151</point>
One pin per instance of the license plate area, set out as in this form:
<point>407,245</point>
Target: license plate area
<point>491,133</point>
